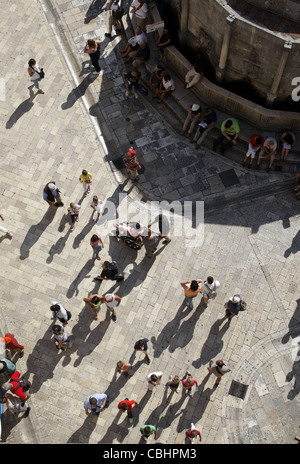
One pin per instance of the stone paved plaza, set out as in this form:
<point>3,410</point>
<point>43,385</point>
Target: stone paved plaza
<point>250,244</point>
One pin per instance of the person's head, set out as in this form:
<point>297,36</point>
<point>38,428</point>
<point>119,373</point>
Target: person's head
<point>141,343</point>
<point>219,363</point>
<point>119,365</point>
<point>95,300</point>
<point>288,139</point>
<point>5,340</point>
<point>52,186</point>
<point>3,367</point>
<point>228,123</point>
<point>193,434</point>
<point>57,329</point>
<point>55,307</point>
<point>131,151</point>
<point>91,43</point>
<point>7,386</point>
<point>189,380</point>
<point>176,379</point>
<point>147,430</point>
<point>3,399</point>
<point>194,285</point>
<point>259,140</point>
<point>143,45</point>
<point>149,233</point>
<point>84,172</point>
<point>137,225</point>
<point>93,403</point>
<point>31,62</point>
<point>108,298</point>
<point>167,77</point>
<point>209,279</point>
<point>207,110</point>
<point>138,30</point>
<point>95,199</point>
<point>124,406</point>
<point>105,264</point>
<point>94,238</point>
<point>154,378</point>
<point>134,73</point>
<point>159,67</point>
<point>72,205</point>
<point>235,299</point>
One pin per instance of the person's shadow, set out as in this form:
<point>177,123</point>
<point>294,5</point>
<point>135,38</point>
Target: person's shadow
<point>58,247</point>
<point>77,93</point>
<point>95,8</point>
<point>22,109</point>
<point>213,345</point>
<point>35,231</point>
<point>295,246</point>
<point>83,433</point>
<point>82,274</point>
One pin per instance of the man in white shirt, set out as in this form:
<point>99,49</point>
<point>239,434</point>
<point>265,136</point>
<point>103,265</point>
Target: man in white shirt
<point>154,379</point>
<point>209,289</point>
<point>112,8</point>
<point>95,403</point>
<point>140,9</point>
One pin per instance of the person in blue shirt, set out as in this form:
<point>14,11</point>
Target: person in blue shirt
<point>51,194</point>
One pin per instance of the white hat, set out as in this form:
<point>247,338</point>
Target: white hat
<point>195,107</point>
<point>235,299</point>
<point>52,186</point>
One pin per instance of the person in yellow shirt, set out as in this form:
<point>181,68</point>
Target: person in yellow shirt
<point>86,179</point>
<point>191,289</point>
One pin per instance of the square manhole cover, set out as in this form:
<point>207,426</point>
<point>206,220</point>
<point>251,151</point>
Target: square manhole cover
<point>238,389</point>
<point>229,178</point>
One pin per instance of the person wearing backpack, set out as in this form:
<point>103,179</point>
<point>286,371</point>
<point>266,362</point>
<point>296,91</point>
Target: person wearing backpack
<point>209,289</point>
<point>18,386</point>
<point>110,272</point>
<point>234,306</point>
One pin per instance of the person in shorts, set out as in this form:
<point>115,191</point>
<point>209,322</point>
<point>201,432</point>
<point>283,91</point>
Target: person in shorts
<point>255,143</point>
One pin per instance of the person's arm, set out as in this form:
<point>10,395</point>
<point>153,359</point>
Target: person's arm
<point>1,217</point>
<point>185,284</point>
<point>31,72</point>
<point>235,138</point>
<point>101,242</point>
<point>155,434</point>
<point>118,299</point>
<point>103,404</point>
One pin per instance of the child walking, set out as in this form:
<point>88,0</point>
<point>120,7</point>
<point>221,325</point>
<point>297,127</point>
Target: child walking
<point>73,211</point>
<point>86,179</point>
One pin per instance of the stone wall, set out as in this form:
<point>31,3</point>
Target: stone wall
<point>254,53</point>
<point>287,8</point>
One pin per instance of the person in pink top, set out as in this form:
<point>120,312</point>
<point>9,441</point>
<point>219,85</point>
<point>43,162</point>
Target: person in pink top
<point>97,245</point>
<point>193,434</point>
<point>188,381</point>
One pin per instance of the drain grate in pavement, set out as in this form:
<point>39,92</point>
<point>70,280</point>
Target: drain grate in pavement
<point>238,389</point>
<point>229,178</point>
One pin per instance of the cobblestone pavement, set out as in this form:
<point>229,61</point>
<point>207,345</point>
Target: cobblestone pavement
<point>251,244</point>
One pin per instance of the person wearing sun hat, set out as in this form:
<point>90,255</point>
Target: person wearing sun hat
<point>192,119</point>
<point>51,194</point>
<point>233,306</point>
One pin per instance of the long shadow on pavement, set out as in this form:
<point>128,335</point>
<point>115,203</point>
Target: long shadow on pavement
<point>213,345</point>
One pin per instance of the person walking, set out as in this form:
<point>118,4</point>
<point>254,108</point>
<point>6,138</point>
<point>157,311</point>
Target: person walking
<point>12,344</point>
<point>218,368</point>
<point>51,194</point>
<point>174,383</point>
<point>142,345</point>
<point>6,365</point>
<point>18,386</point>
<point>115,13</point>
<point>191,290</point>
<point>154,379</point>
<point>193,434</point>
<point>209,288</point>
<point>112,301</point>
<point>86,179</point>
<point>4,230</point>
<point>95,205</point>
<point>36,74</point>
<point>95,403</point>
<point>132,164</point>
<point>61,337</point>
<point>94,301</point>
<point>123,368</point>
<point>92,48</point>
<point>60,313</point>
<point>127,405</point>
<point>140,10</point>
<point>14,404</point>
<point>163,226</point>
<point>150,243</point>
<point>97,245</point>
<point>188,381</point>
<point>73,211</point>
<point>234,306</point>
<point>110,272</point>
<point>147,431</point>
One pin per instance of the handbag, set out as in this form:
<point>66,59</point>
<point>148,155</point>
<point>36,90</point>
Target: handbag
<point>40,73</point>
